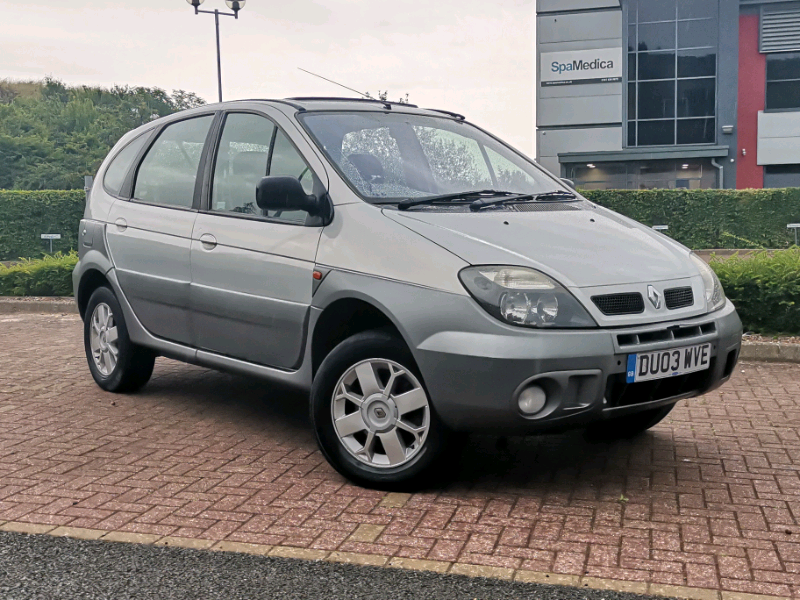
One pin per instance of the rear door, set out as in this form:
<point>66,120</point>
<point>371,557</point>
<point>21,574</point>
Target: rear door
<point>149,236</point>
<point>251,270</point>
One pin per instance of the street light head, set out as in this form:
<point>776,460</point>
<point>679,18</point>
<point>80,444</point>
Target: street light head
<point>236,5</point>
<point>195,3</point>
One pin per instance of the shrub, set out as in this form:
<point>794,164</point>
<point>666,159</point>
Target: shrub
<point>24,216</point>
<point>765,288</point>
<point>711,218</point>
<point>48,276</point>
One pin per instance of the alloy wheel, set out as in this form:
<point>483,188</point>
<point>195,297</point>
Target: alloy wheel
<point>103,339</point>
<point>381,413</point>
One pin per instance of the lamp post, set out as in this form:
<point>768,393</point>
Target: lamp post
<point>235,6</point>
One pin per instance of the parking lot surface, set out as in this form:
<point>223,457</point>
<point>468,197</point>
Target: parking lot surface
<point>708,501</point>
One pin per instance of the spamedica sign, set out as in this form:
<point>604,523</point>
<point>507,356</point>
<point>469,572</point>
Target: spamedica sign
<point>603,65</point>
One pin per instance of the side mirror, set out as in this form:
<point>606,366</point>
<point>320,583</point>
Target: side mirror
<point>285,193</point>
<point>568,182</point>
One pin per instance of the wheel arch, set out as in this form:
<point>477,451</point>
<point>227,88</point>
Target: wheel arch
<point>90,281</point>
<point>343,318</point>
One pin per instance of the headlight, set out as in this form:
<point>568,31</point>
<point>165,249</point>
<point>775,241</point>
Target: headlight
<point>524,297</point>
<point>715,295</point>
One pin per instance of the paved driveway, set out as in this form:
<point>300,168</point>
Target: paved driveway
<point>710,499</point>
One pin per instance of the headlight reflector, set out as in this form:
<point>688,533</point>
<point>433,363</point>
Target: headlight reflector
<point>524,297</point>
<point>715,295</point>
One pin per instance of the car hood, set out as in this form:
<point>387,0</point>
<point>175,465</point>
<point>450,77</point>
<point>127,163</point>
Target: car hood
<point>590,247</point>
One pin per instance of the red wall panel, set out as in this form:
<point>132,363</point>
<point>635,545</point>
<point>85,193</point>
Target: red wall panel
<point>752,84</point>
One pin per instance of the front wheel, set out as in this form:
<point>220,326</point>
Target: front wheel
<point>372,416</point>
<point>628,427</point>
<point>116,363</point>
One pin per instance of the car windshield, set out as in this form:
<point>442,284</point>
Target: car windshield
<point>388,157</point>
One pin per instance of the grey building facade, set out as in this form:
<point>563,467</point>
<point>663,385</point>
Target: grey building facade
<point>638,94</point>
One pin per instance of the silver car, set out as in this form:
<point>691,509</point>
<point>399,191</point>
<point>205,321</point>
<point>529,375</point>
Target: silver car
<point>415,275</point>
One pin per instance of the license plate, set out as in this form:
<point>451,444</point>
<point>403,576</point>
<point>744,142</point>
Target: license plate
<point>668,363</point>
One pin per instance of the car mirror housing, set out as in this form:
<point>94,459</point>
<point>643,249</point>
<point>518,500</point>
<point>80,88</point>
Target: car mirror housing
<point>285,193</point>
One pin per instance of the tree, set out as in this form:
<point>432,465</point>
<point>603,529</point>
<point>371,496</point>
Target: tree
<point>51,134</point>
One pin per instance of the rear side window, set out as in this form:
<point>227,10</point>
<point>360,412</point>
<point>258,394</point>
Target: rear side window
<point>168,172</point>
<point>121,164</point>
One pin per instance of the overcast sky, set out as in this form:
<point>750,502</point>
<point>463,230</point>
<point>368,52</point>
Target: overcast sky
<point>472,57</point>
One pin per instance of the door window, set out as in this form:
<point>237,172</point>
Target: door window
<point>168,173</point>
<point>241,163</point>
<point>287,162</point>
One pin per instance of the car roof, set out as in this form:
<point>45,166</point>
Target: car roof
<point>314,103</point>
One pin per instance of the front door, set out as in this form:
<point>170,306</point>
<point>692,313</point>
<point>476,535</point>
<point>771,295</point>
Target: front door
<point>149,236</point>
<point>252,271</point>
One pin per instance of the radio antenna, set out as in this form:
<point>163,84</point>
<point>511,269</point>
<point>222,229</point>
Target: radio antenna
<point>336,83</point>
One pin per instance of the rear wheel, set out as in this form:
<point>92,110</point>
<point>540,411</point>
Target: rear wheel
<point>628,427</point>
<point>372,416</point>
<point>116,363</point>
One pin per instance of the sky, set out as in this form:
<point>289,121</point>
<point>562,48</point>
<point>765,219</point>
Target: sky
<point>474,58</point>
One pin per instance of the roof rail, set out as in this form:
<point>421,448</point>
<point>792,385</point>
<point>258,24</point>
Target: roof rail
<point>292,104</point>
<point>456,116</point>
<point>387,103</point>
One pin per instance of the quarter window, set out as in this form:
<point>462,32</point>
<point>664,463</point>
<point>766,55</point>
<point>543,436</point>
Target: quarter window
<point>783,81</point>
<point>168,173</point>
<point>117,171</point>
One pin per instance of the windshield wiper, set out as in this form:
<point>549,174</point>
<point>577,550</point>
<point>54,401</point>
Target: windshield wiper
<point>481,204</point>
<point>408,203</point>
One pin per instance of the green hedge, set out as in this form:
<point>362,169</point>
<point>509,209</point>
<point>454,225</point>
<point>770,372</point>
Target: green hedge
<point>24,216</point>
<point>711,218</point>
<point>48,276</point>
<point>765,287</point>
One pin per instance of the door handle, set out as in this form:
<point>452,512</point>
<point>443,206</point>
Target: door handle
<point>121,224</point>
<point>209,241</point>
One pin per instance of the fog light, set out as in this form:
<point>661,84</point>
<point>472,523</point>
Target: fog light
<point>532,400</point>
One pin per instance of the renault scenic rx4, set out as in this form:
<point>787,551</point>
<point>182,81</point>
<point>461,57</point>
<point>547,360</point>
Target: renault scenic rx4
<point>412,273</point>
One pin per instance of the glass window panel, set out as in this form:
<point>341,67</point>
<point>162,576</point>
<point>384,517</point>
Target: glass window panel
<point>656,133</point>
<point>657,36</point>
<point>168,172</point>
<point>287,162</point>
<point>632,38</point>
<point>656,100</point>
<point>697,34</point>
<point>697,97</point>
<point>783,95</point>
<point>241,163</point>
<point>656,65</point>
<point>783,66</point>
<point>631,133</point>
<point>659,10</point>
<point>696,131</point>
<point>697,9</point>
<point>118,169</point>
<point>631,67</point>
<point>631,100</point>
<point>697,63</point>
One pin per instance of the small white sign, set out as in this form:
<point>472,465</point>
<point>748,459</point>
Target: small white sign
<point>51,236</point>
<point>603,65</point>
<point>793,226</point>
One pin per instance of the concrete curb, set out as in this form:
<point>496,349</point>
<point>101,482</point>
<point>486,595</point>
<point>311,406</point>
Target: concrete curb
<point>40,305</point>
<point>452,568</point>
<point>751,351</point>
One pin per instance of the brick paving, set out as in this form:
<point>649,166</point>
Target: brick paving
<point>710,499</point>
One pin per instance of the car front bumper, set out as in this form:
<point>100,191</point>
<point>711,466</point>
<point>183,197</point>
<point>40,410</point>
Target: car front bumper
<point>474,377</point>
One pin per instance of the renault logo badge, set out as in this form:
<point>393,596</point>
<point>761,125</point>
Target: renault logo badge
<point>654,296</point>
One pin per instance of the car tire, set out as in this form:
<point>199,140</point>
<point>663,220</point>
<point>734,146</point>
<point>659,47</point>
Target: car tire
<point>366,398</point>
<point>628,427</point>
<point>116,363</point>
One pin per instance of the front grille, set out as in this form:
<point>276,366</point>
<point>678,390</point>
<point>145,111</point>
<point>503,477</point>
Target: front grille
<point>668,334</point>
<point>621,393</point>
<point>678,297</point>
<point>620,304</point>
